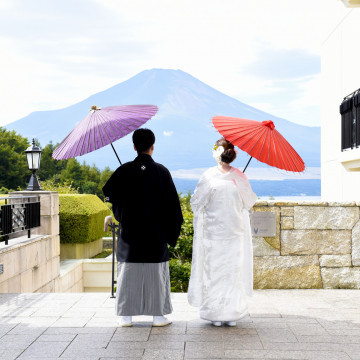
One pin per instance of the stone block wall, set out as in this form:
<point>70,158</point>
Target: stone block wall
<point>71,276</point>
<point>97,275</point>
<point>85,275</point>
<point>81,251</point>
<point>317,246</point>
<point>33,265</point>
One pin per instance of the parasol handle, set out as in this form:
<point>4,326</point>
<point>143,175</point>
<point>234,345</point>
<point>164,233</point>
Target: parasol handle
<point>247,164</point>
<point>116,153</point>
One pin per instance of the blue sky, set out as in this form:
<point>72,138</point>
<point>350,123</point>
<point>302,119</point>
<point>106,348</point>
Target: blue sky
<point>264,53</point>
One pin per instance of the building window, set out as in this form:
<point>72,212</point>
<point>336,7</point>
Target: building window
<point>350,121</point>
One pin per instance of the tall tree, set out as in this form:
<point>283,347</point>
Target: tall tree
<point>90,173</point>
<point>49,167</point>
<point>104,177</point>
<point>14,171</point>
<point>72,173</point>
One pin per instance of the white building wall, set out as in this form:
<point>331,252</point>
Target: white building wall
<point>340,171</point>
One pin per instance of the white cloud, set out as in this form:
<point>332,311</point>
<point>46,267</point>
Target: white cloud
<point>168,133</point>
<point>310,92</point>
<point>266,107</point>
<point>5,4</point>
<point>53,55</point>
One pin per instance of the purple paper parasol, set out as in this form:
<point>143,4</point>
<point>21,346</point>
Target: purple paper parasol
<point>102,127</point>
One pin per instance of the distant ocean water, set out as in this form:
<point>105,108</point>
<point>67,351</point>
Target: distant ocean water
<point>268,188</point>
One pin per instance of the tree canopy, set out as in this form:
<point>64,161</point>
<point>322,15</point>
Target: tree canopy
<point>63,174</point>
<point>14,170</point>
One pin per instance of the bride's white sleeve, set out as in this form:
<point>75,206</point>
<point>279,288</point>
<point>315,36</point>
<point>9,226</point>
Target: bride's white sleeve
<point>248,196</point>
<point>199,200</point>
<point>201,195</point>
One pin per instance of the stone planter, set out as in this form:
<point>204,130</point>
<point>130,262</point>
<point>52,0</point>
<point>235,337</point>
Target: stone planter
<point>81,251</point>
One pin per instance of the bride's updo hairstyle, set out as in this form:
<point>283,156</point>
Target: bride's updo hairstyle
<point>229,154</point>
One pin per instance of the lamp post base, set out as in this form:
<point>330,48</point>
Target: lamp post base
<point>34,183</point>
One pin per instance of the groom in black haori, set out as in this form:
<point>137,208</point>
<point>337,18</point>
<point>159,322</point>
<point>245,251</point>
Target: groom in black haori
<point>146,204</point>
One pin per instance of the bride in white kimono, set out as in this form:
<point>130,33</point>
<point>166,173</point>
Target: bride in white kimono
<point>222,260</point>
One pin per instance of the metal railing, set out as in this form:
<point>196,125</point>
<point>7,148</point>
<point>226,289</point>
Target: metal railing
<point>350,121</point>
<point>18,215</point>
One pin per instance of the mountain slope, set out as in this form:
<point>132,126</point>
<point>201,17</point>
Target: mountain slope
<point>183,129</point>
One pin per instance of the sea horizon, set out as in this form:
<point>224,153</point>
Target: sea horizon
<point>265,189</point>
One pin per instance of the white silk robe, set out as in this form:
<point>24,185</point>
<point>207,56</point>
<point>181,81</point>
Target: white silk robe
<point>222,261</point>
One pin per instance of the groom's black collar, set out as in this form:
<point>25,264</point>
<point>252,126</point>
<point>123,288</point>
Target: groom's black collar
<point>144,158</point>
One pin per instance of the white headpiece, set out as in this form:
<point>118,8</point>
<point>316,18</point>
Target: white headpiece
<point>217,152</point>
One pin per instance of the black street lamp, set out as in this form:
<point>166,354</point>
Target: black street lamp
<point>33,155</point>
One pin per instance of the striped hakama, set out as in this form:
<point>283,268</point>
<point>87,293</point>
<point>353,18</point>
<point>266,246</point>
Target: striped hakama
<point>143,289</point>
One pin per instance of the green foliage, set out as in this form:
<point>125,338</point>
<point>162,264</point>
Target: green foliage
<point>90,178</point>
<point>49,167</point>
<point>72,173</point>
<point>93,180</point>
<point>62,188</point>
<point>14,171</point>
<point>81,218</point>
<point>54,175</point>
<point>84,178</point>
<point>2,201</point>
<point>185,202</point>
<point>183,249</point>
<point>89,187</point>
<point>104,254</point>
<point>4,190</point>
<point>179,275</point>
<point>104,177</point>
<point>181,254</point>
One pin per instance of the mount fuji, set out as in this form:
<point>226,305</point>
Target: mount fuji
<point>183,129</point>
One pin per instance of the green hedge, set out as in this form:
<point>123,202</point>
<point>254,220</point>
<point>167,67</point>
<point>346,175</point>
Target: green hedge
<point>2,201</point>
<point>181,254</point>
<point>183,249</point>
<point>81,218</point>
<point>179,275</point>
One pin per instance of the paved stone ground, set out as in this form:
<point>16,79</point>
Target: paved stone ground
<point>282,324</point>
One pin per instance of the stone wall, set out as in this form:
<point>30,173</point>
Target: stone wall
<point>85,275</point>
<point>71,276</point>
<point>97,275</point>
<point>81,251</point>
<point>317,245</point>
<point>33,265</point>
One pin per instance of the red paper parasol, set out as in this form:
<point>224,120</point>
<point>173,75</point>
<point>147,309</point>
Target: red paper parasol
<point>261,141</point>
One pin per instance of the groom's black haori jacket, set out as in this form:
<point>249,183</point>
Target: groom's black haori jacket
<point>146,204</point>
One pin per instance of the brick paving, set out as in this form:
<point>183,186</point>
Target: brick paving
<point>282,324</point>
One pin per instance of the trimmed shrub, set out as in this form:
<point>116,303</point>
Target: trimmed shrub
<point>181,254</point>
<point>183,249</point>
<point>179,275</point>
<point>2,201</point>
<point>81,218</point>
